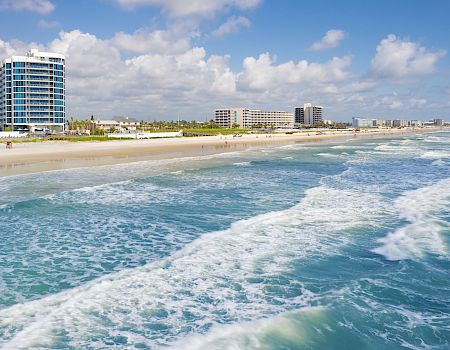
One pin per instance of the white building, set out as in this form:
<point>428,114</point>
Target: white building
<point>363,122</point>
<point>308,114</point>
<point>119,126</point>
<point>250,118</point>
<point>416,123</point>
<point>32,92</point>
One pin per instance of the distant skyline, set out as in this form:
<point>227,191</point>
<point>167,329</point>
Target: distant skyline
<point>163,59</point>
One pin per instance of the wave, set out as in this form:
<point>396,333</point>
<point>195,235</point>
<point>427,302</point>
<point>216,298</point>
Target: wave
<point>423,209</point>
<point>124,192</point>
<point>224,275</point>
<point>253,335</point>
<point>439,163</point>
<point>437,154</point>
<point>328,155</point>
<point>242,164</point>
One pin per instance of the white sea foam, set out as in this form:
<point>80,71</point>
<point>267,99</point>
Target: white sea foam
<point>437,154</point>
<point>349,147</point>
<point>439,163</point>
<point>216,274</point>
<point>422,208</point>
<point>124,192</point>
<point>329,155</point>
<point>242,164</point>
<point>437,139</point>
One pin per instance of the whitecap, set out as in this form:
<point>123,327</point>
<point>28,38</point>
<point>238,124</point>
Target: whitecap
<point>422,208</point>
<point>242,164</point>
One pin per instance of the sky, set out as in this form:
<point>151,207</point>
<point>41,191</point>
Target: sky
<point>169,59</point>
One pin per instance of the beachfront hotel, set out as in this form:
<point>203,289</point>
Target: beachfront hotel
<point>308,114</point>
<point>251,118</point>
<point>32,92</point>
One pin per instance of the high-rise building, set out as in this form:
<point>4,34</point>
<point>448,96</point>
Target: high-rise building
<point>32,92</point>
<point>248,118</point>
<point>308,114</point>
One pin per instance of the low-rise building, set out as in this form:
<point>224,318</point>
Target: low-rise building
<point>416,123</point>
<point>253,118</point>
<point>363,122</point>
<point>115,125</point>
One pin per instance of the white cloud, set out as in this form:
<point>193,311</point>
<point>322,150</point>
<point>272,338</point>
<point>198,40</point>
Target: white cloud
<point>39,6</point>
<point>361,86</point>
<point>262,74</point>
<point>398,59</point>
<point>45,24</point>
<point>159,74</point>
<point>417,102</point>
<point>331,39</point>
<point>180,8</point>
<point>101,81</point>
<point>396,105</point>
<point>232,25</point>
<point>143,41</point>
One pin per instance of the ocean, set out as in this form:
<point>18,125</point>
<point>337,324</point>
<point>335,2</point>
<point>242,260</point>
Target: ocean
<point>333,245</point>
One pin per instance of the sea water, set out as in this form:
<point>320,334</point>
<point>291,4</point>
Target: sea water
<point>305,246</point>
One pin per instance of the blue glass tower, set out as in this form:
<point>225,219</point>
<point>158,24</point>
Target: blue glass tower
<point>32,92</point>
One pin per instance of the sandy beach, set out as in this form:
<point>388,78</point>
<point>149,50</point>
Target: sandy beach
<point>30,157</point>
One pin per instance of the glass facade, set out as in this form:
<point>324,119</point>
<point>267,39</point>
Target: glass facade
<point>32,92</point>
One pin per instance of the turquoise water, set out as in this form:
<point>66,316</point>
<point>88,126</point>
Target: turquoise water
<point>308,246</point>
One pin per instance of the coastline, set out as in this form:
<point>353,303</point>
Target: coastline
<point>54,155</point>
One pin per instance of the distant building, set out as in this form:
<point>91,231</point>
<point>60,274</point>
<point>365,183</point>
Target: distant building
<point>416,123</point>
<point>400,123</point>
<point>363,123</point>
<point>250,118</point>
<point>32,92</point>
<point>119,126</point>
<point>438,122</point>
<point>379,123</point>
<point>308,114</point>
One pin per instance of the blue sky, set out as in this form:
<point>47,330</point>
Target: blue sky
<point>157,59</point>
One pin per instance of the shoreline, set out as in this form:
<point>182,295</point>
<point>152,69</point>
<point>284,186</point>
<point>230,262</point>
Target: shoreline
<point>55,155</point>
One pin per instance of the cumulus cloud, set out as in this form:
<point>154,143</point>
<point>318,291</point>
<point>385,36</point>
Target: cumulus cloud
<point>154,74</point>
<point>331,39</point>
<point>262,74</point>
<point>232,25</point>
<point>180,8</point>
<point>102,81</point>
<point>39,6</point>
<point>157,77</point>
<point>399,59</point>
